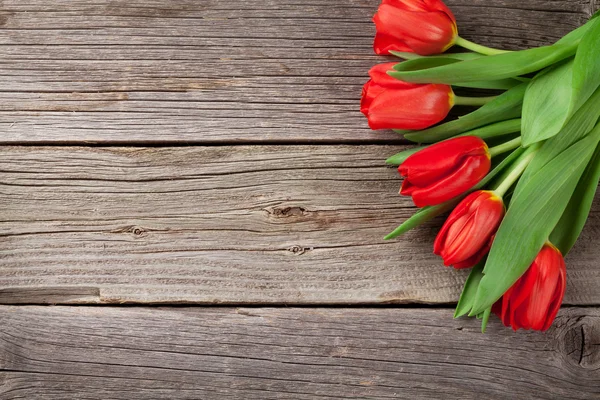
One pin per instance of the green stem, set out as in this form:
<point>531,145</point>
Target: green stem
<point>496,129</point>
<point>472,101</point>
<point>487,132</point>
<point>516,170</point>
<point>488,51</point>
<point>504,147</point>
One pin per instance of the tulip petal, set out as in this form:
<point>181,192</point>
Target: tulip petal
<point>458,182</point>
<point>458,237</point>
<point>460,210</point>
<point>534,300</point>
<point>414,108</point>
<point>424,32</point>
<point>557,300</point>
<point>434,162</point>
<point>543,289</point>
<point>439,6</point>
<point>379,76</point>
<point>506,310</point>
<point>487,211</point>
<point>384,43</point>
<point>474,259</point>
<point>408,5</point>
<point>407,188</point>
<point>380,81</point>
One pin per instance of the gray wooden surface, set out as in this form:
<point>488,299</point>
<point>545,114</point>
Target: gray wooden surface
<point>242,224</point>
<point>215,71</point>
<point>212,152</point>
<point>290,353</point>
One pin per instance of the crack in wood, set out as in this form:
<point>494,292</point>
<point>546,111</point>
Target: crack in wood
<point>582,350</point>
<point>49,295</point>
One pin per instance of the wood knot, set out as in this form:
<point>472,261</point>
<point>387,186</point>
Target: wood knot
<point>299,250</point>
<point>288,211</point>
<point>4,17</point>
<point>280,214</point>
<point>580,342</point>
<point>136,231</point>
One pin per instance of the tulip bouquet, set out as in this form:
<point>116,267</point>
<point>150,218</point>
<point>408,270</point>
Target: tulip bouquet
<point>518,174</point>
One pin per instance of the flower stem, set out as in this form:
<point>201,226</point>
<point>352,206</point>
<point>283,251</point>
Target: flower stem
<point>472,101</point>
<point>467,44</point>
<point>516,170</point>
<point>504,147</point>
<point>496,129</point>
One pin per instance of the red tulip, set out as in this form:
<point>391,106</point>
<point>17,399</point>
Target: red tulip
<point>468,232</point>
<point>417,26</point>
<point>444,170</point>
<point>389,103</point>
<point>533,301</point>
<point>380,81</point>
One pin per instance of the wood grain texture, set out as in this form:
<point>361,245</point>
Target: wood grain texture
<point>139,71</point>
<point>224,224</point>
<point>137,353</point>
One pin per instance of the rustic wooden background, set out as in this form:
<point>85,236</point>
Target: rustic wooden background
<point>158,158</point>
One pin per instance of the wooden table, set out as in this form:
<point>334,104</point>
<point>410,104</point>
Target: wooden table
<point>192,207</point>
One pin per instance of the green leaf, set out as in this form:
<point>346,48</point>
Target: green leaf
<point>571,223</point>
<point>427,213</point>
<point>487,132</point>
<point>575,35</point>
<point>531,217</point>
<point>586,70</point>
<point>456,56</point>
<point>576,128</point>
<point>546,103</point>
<point>399,158</point>
<point>485,319</point>
<point>495,130</point>
<point>420,217</point>
<point>501,66</point>
<point>506,106</point>
<point>501,84</point>
<point>419,64</point>
<point>465,303</point>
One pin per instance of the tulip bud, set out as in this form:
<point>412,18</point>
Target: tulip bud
<point>534,300</point>
<point>424,27</point>
<point>389,103</point>
<point>468,232</point>
<point>444,170</point>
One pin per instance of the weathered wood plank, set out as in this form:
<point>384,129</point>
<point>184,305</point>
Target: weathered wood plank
<point>287,353</point>
<point>241,224</point>
<point>212,71</point>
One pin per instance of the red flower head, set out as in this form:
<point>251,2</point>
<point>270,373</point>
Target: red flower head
<point>444,170</point>
<point>469,230</point>
<point>533,301</point>
<point>418,26</point>
<point>389,103</point>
